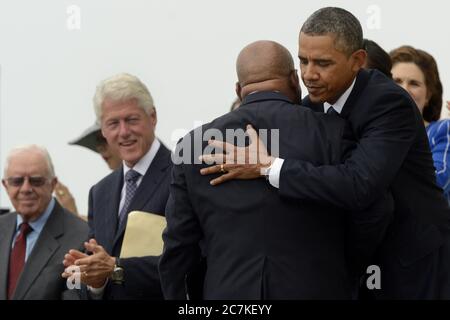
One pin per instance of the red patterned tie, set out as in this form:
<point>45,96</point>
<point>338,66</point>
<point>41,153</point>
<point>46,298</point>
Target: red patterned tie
<point>17,258</point>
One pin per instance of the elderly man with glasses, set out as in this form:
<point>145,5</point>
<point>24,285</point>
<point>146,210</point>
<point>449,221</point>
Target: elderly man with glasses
<point>34,239</point>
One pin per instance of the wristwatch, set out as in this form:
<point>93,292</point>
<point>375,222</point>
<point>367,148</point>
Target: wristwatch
<point>117,276</point>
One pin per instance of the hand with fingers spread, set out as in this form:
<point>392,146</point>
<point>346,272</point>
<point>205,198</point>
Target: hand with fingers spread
<point>242,163</point>
<point>94,269</point>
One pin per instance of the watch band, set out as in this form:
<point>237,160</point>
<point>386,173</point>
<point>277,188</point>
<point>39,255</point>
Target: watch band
<point>118,264</point>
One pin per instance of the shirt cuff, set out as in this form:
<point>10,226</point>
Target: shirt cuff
<point>274,174</point>
<point>97,293</point>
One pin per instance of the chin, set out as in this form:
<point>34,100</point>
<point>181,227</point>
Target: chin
<point>314,99</point>
<point>131,161</point>
<point>28,214</point>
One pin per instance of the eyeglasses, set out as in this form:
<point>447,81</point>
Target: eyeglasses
<point>33,181</point>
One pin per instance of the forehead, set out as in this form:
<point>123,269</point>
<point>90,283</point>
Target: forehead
<point>407,70</point>
<point>30,163</point>
<point>118,109</point>
<point>320,46</point>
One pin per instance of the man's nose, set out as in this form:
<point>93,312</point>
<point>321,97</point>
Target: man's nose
<point>26,186</point>
<point>124,130</point>
<point>310,73</point>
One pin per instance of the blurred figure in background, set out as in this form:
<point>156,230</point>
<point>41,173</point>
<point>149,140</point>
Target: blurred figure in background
<point>92,139</point>
<point>377,58</point>
<point>417,72</point>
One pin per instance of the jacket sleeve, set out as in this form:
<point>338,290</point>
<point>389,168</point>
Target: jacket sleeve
<point>384,141</point>
<point>440,148</point>
<point>181,239</point>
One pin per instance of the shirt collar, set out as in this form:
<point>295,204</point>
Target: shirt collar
<point>39,223</point>
<point>339,104</point>
<point>144,163</point>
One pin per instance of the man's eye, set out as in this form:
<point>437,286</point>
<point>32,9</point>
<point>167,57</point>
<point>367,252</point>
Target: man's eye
<point>304,62</point>
<point>323,64</point>
<point>133,120</point>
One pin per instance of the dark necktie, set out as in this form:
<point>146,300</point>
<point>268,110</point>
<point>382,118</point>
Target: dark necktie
<point>332,111</point>
<point>131,186</point>
<point>17,258</point>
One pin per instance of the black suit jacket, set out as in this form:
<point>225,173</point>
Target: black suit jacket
<point>257,244</point>
<point>392,152</point>
<point>141,274</point>
<point>41,277</point>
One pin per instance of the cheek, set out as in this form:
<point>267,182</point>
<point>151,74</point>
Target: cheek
<point>13,194</point>
<point>415,93</point>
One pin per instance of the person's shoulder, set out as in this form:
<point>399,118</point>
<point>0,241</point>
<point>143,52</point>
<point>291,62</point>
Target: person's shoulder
<point>380,95</point>
<point>441,123</point>
<point>107,181</point>
<point>73,222</point>
<point>381,85</point>
<point>7,217</point>
<point>439,128</point>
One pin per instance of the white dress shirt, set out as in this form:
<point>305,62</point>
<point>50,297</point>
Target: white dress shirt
<point>275,169</point>
<point>141,166</point>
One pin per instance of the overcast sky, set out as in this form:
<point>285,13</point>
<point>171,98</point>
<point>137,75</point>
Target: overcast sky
<point>54,52</point>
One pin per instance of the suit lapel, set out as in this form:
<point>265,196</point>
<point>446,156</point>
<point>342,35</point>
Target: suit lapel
<point>148,186</point>
<point>6,235</point>
<point>361,81</point>
<point>46,245</point>
<point>110,213</point>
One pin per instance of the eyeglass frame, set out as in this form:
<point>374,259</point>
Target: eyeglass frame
<point>31,180</point>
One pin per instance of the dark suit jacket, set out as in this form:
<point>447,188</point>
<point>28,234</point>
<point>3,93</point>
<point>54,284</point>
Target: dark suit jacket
<point>41,277</point>
<point>141,274</point>
<point>393,152</point>
<point>257,245</point>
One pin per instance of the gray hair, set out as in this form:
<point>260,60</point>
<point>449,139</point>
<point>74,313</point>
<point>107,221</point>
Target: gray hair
<point>338,22</point>
<point>31,147</point>
<point>122,87</point>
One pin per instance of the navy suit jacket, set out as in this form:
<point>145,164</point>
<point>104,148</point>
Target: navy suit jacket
<point>257,244</point>
<point>141,274</point>
<point>392,152</point>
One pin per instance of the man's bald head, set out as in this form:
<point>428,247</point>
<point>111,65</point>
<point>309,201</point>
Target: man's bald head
<point>263,60</point>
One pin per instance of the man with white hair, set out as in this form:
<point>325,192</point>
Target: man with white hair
<point>34,239</point>
<point>126,113</point>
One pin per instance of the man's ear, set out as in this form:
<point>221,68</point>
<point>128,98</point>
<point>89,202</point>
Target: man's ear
<point>53,183</point>
<point>103,131</point>
<point>294,78</point>
<point>238,90</point>
<point>359,58</point>
<point>154,116</point>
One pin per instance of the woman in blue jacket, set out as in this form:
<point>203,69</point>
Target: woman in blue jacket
<point>416,71</point>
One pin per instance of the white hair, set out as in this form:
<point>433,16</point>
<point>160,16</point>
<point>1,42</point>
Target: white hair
<point>31,147</point>
<point>122,87</point>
